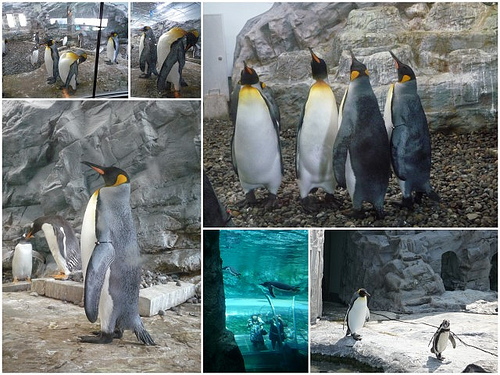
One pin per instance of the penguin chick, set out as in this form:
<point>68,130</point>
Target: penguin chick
<point>409,137</point>
<point>110,257</point>
<point>440,339</point>
<point>316,135</point>
<point>22,261</point>
<point>361,155</point>
<point>357,313</point>
<point>255,145</point>
<point>147,53</point>
<point>171,53</point>
<point>62,242</point>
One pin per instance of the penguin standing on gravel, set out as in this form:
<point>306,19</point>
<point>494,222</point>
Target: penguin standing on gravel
<point>62,242</point>
<point>409,137</point>
<point>255,146</point>
<point>147,53</point>
<point>51,58</point>
<point>361,155</point>
<point>68,67</point>
<point>110,256</point>
<point>357,313</point>
<point>315,137</point>
<point>34,55</point>
<point>440,339</point>
<point>112,48</point>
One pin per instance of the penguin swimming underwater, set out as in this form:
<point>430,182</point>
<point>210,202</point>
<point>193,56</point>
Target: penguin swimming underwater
<point>361,155</point>
<point>256,145</point>
<point>112,48</point>
<point>62,242</point>
<point>171,53</point>
<point>51,58</point>
<point>231,270</point>
<point>68,67</point>
<point>22,261</point>
<point>271,285</point>
<point>357,313</point>
<point>110,259</point>
<point>409,137</point>
<point>440,339</point>
<point>147,53</point>
<point>315,137</point>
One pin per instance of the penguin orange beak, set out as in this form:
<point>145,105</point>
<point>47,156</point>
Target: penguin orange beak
<point>314,55</point>
<point>29,235</point>
<point>95,167</point>
<point>396,61</point>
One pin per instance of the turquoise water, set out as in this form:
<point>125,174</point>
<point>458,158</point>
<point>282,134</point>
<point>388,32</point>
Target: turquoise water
<point>256,257</point>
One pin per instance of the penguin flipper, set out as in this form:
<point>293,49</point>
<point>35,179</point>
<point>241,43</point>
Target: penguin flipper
<point>176,50</point>
<point>102,257</point>
<point>271,291</point>
<point>274,111</point>
<point>452,340</point>
<point>340,149</point>
<point>297,148</point>
<point>399,141</point>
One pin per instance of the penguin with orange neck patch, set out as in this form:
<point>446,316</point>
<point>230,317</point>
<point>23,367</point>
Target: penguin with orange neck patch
<point>361,155</point>
<point>255,146</point>
<point>68,67</point>
<point>409,136</point>
<point>315,137</point>
<point>110,260</point>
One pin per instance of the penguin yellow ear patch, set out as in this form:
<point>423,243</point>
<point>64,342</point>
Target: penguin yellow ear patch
<point>405,78</point>
<point>354,75</point>
<point>121,179</point>
<point>366,72</point>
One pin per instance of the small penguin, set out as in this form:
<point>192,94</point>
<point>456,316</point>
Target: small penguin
<point>231,270</point>
<point>36,38</point>
<point>110,259</point>
<point>64,41</point>
<point>51,58</point>
<point>409,137</point>
<point>271,285</point>
<point>147,52</point>
<point>171,53</point>
<point>34,55</point>
<point>4,47</point>
<point>315,137</point>
<point>68,67</point>
<point>62,242</point>
<point>112,48</point>
<point>80,40</point>
<point>361,155</point>
<point>440,339</point>
<point>22,261</point>
<point>357,313</point>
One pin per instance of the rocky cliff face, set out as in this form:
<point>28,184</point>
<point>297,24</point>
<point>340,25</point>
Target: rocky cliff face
<point>157,143</point>
<point>452,47</point>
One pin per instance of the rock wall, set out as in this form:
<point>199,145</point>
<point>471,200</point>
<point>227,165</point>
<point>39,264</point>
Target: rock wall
<point>452,47</point>
<point>408,271</point>
<point>156,142</point>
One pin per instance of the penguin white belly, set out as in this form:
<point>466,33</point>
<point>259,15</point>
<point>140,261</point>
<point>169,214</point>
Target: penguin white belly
<point>22,261</point>
<point>64,68</point>
<point>58,254</point>
<point>256,144</point>
<point>88,237</point>
<point>388,112</point>
<point>110,50</point>
<point>442,341</point>
<point>350,178</point>
<point>49,63</point>
<point>317,136</point>
<point>357,315</point>
<point>34,57</point>
<point>106,305</point>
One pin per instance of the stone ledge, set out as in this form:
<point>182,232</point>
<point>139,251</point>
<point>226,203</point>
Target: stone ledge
<point>151,300</point>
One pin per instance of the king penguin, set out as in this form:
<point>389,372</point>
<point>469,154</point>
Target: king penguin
<point>440,339</point>
<point>315,137</point>
<point>68,67</point>
<point>361,155</point>
<point>357,313</point>
<point>255,146</point>
<point>409,137</point>
<point>51,59</point>
<point>62,242</point>
<point>110,257</point>
<point>171,54</point>
<point>112,48</point>
<point>22,261</point>
<point>147,52</point>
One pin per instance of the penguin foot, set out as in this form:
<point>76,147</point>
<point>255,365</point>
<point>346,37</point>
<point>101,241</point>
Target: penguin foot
<point>355,214</point>
<point>379,213</point>
<point>309,205</point>
<point>51,80</point>
<point>15,281</point>
<point>272,202</point>
<point>332,201</point>
<point>250,198</point>
<point>177,94</point>
<point>356,337</point>
<point>433,196</point>
<point>407,203</point>
<point>145,76</point>
<point>102,338</point>
<point>60,276</point>
<point>109,62</point>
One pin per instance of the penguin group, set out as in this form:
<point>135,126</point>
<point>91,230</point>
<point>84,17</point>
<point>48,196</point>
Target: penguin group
<point>167,57</point>
<point>353,146</point>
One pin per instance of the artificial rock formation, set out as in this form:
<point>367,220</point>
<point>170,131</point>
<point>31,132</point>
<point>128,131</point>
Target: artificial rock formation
<point>156,143</point>
<point>452,47</point>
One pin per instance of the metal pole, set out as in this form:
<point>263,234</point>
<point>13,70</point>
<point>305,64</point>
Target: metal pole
<point>101,10</point>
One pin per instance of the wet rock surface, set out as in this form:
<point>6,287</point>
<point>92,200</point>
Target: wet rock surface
<point>41,335</point>
<point>464,174</point>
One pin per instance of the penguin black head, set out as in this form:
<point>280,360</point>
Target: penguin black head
<point>445,324</point>
<point>318,67</point>
<point>112,176</point>
<point>35,227</point>
<point>405,73</point>
<point>191,39</point>
<point>363,293</point>
<point>248,75</point>
<point>82,55</point>
<point>358,69</point>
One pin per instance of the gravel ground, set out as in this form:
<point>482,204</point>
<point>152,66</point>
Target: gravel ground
<point>464,173</point>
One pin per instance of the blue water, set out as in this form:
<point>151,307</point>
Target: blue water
<point>258,256</point>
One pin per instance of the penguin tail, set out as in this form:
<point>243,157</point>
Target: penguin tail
<point>144,336</point>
